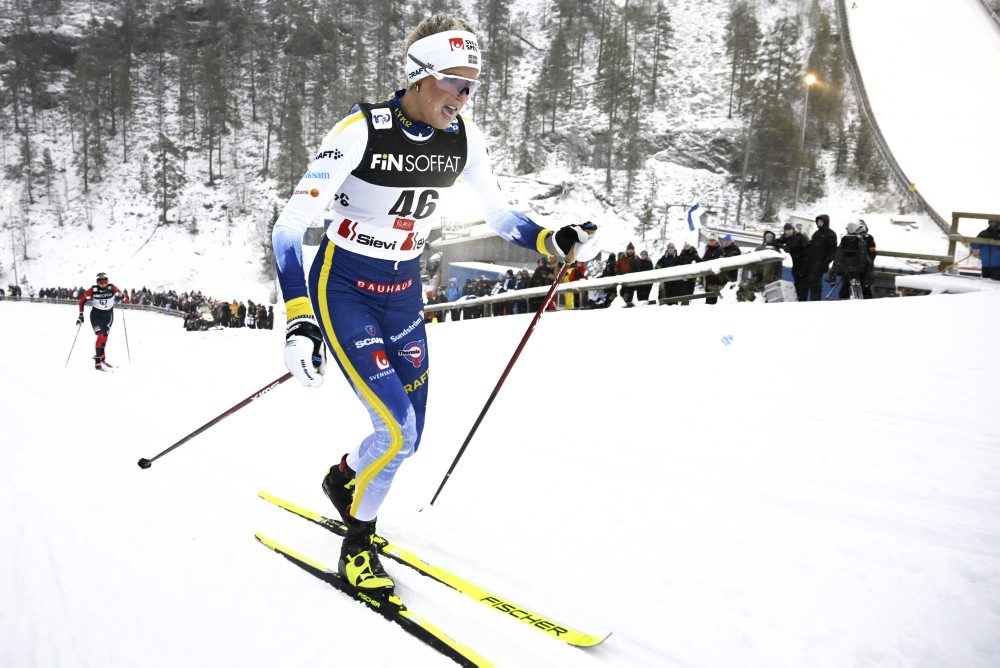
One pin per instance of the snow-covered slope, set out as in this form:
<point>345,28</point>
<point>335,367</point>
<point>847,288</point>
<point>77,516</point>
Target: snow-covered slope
<point>821,491</point>
<point>931,72</point>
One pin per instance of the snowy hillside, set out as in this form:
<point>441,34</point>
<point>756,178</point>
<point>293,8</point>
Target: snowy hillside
<point>821,491</point>
<point>221,228</point>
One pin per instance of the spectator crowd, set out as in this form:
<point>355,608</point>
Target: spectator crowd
<point>847,263</point>
<point>200,311</point>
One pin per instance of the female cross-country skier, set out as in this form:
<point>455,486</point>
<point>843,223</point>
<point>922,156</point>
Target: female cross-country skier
<point>385,167</point>
<point>103,296</point>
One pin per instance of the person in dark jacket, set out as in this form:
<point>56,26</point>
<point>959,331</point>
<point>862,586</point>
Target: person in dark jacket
<point>768,242</point>
<point>543,275</point>
<point>766,274</point>
<point>225,315</point>
<point>670,258</point>
<point>688,255</point>
<point>989,255</point>
<point>852,262</point>
<point>729,249</point>
<point>713,282</point>
<point>609,270</point>
<point>795,244</point>
<point>469,290</point>
<point>609,265</point>
<point>644,264</point>
<point>866,288</point>
<point>523,281</point>
<point>498,288</point>
<point>822,248</point>
<point>869,239</point>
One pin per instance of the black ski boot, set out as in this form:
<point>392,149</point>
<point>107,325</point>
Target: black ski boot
<point>338,485</point>
<point>359,563</point>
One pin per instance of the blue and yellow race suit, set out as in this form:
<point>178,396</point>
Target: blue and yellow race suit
<point>382,175</point>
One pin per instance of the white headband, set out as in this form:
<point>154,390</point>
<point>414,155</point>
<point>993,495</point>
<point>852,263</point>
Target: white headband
<point>441,51</point>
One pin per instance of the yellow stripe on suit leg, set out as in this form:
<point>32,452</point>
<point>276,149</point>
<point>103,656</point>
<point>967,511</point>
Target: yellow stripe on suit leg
<point>372,399</point>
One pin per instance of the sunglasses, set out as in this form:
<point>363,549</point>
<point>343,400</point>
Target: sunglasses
<point>450,83</point>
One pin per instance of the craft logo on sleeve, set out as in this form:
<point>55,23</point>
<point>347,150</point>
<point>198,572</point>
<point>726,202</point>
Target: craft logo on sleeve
<point>335,154</point>
<point>381,361</point>
<point>381,119</point>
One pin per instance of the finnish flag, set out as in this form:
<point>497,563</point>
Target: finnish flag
<point>694,217</point>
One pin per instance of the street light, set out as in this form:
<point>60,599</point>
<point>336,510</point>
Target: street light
<point>8,196</point>
<point>809,79</point>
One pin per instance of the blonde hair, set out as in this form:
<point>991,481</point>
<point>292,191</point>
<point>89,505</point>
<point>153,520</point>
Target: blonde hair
<point>432,25</point>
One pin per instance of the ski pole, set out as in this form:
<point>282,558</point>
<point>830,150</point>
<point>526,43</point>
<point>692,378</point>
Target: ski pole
<point>125,330</point>
<point>146,463</point>
<point>832,288</point>
<point>78,326</point>
<point>503,377</point>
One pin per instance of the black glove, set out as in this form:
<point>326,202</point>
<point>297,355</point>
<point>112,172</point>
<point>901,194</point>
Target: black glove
<point>568,238</point>
<point>118,299</point>
<point>79,320</point>
<point>305,355</point>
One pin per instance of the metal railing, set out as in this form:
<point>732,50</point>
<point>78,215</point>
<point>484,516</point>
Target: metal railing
<point>754,259</point>
<point>75,302</point>
<point>954,237</point>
